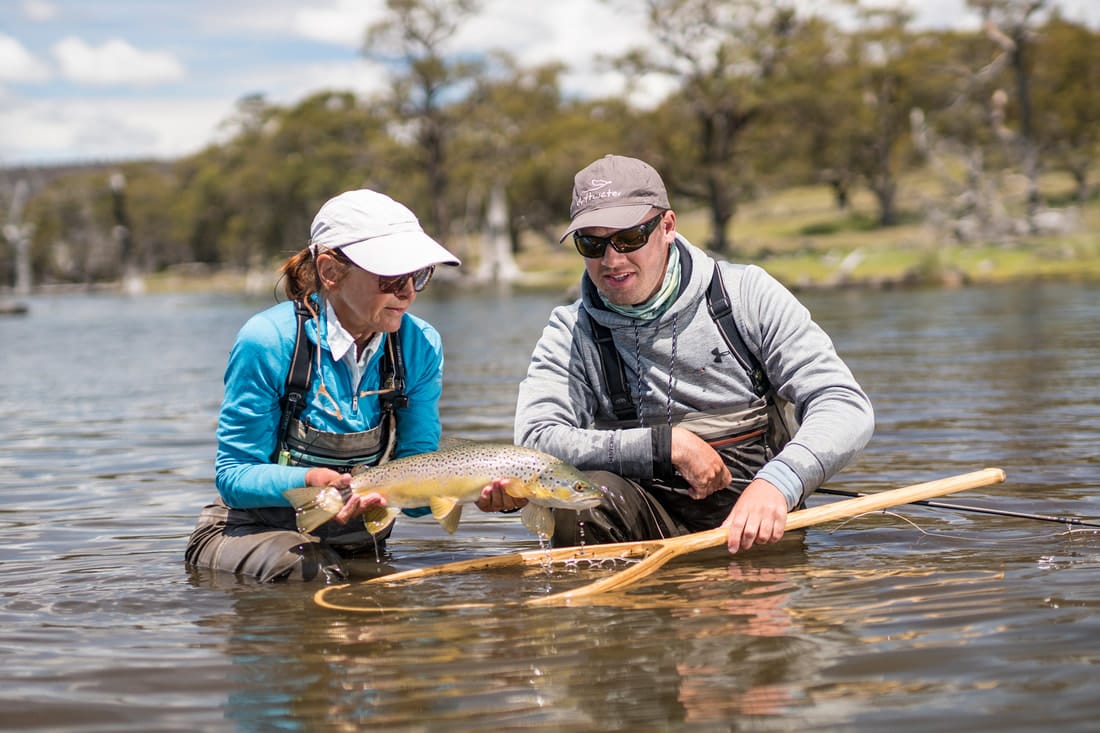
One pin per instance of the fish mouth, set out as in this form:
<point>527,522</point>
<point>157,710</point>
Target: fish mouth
<point>591,503</point>
<point>572,502</point>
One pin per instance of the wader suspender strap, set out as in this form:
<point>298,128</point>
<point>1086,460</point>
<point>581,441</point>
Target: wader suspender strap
<point>298,378</point>
<point>393,396</point>
<point>393,375</point>
<point>718,304</point>
<point>300,374</point>
<point>614,373</point>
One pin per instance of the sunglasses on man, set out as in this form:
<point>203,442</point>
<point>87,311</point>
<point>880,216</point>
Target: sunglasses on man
<point>623,241</point>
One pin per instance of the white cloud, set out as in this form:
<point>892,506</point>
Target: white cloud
<point>256,46</point>
<point>109,129</point>
<point>39,10</point>
<point>289,84</point>
<point>163,126</point>
<point>572,31</point>
<point>342,23</point>
<point>115,62</point>
<point>17,64</point>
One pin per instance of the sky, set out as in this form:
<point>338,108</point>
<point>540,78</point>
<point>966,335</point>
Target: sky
<point>110,80</point>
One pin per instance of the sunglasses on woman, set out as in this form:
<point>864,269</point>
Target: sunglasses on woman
<point>392,284</point>
<point>623,241</point>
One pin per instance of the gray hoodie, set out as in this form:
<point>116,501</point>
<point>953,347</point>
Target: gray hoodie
<point>564,398</point>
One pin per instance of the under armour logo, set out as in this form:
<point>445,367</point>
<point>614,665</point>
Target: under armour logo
<point>717,355</point>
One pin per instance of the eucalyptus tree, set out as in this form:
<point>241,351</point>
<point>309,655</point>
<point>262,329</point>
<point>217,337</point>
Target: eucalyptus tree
<point>225,187</point>
<point>427,80</point>
<point>332,141</point>
<point>1067,98</point>
<point>524,135</point>
<point>810,134</point>
<point>1010,26</point>
<point>723,56</point>
<point>895,72</point>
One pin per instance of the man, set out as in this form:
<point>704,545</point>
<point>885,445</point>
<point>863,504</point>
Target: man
<point>697,400</point>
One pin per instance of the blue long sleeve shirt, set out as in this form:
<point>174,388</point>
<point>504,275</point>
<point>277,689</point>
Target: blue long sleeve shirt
<point>255,379</point>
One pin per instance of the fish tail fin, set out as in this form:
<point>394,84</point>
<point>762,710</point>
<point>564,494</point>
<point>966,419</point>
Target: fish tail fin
<point>314,505</point>
<point>376,519</point>
<point>539,520</point>
<point>447,511</point>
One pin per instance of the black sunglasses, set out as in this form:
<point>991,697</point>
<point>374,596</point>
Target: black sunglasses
<point>623,241</point>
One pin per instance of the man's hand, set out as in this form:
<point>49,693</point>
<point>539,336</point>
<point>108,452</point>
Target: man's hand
<point>698,463</point>
<point>495,498</point>
<point>758,518</point>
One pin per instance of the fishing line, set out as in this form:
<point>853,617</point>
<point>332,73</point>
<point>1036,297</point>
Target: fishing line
<point>948,535</point>
<point>908,521</point>
<point>1074,521</point>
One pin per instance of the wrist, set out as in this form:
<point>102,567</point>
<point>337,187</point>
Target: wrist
<point>661,444</point>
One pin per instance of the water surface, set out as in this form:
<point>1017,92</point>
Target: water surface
<point>913,620</point>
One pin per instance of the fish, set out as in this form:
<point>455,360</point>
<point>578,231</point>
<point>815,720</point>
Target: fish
<point>446,479</point>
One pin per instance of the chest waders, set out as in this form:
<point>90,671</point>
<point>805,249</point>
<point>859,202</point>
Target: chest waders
<point>300,444</point>
<point>745,439</point>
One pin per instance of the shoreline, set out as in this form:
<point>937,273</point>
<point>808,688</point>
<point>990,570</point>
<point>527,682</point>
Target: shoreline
<point>233,281</point>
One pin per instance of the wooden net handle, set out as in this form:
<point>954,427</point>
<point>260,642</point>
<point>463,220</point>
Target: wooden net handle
<point>658,552</point>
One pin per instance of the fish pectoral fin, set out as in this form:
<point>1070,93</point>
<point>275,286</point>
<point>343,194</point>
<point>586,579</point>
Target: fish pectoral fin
<point>539,520</point>
<point>377,518</point>
<point>447,511</point>
<point>314,505</point>
<point>516,489</point>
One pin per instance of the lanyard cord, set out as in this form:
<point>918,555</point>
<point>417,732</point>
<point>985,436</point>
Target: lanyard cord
<point>640,388</point>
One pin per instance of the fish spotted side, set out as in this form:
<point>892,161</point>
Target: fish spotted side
<point>445,480</point>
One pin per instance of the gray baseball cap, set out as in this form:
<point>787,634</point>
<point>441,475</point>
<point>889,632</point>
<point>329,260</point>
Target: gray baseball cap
<point>616,192</point>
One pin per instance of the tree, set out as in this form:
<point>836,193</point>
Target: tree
<point>810,134</point>
<point>895,73</point>
<point>413,38</point>
<point>722,55</point>
<point>1067,98</point>
<point>1008,24</point>
<point>522,134</point>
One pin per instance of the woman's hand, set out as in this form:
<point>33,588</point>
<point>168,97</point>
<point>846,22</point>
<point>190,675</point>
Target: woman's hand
<point>494,498</point>
<point>758,518</point>
<point>356,504</point>
<point>698,463</point>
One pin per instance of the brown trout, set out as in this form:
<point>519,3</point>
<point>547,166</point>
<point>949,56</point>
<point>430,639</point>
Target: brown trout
<point>446,479</point>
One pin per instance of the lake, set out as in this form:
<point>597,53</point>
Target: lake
<point>915,619</point>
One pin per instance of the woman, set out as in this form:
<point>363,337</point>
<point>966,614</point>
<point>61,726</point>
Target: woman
<point>339,376</point>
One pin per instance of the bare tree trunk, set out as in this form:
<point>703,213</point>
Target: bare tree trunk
<point>497,263</point>
<point>18,235</point>
<point>132,281</point>
<point>436,172</point>
<point>1028,144</point>
<point>721,212</point>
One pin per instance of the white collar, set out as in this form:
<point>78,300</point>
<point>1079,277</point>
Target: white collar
<point>341,343</point>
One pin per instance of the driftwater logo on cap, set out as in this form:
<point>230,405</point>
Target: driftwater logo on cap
<point>594,191</point>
